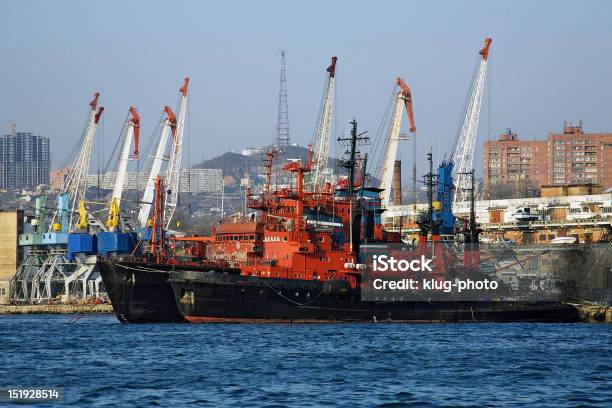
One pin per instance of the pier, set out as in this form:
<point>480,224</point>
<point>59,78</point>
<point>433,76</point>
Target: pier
<point>55,309</point>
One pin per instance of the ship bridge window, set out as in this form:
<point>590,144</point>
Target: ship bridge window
<point>285,239</point>
<point>252,237</point>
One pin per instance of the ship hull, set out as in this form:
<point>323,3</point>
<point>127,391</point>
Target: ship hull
<point>139,293</point>
<point>216,297</point>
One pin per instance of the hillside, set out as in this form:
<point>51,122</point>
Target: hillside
<point>236,166</point>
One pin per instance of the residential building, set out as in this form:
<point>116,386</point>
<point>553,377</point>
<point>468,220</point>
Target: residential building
<point>509,160</point>
<point>576,157</point>
<point>571,157</point>
<point>24,161</point>
<point>58,179</point>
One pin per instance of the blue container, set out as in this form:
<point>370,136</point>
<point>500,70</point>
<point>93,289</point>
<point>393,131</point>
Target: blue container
<point>81,243</point>
<point>55,238</point>
<point>116,243</point>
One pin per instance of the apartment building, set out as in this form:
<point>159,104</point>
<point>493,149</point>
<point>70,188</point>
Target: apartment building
<point>571,157</point>
<point>509,159</point>
<point>24,160</point>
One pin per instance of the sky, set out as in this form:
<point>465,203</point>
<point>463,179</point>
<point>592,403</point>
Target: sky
<point>550,61</point>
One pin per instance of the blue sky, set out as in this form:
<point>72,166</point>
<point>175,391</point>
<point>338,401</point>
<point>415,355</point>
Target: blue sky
<point>550,61</point>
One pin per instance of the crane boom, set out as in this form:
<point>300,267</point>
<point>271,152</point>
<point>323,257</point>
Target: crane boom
<point>174,165</point>
<point>463,154</point>
<point>403,100</point>
<point>169,126</point>
<point>131,132</point>
<point>65,218</point>
<point>321,139</point>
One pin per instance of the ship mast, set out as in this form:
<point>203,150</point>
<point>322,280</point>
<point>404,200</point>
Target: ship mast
<point>350,164</point>
<point>352,153</point>
<point>429,224</point>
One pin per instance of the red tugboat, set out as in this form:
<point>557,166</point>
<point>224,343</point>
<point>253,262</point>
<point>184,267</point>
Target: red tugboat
<point>303,260</point>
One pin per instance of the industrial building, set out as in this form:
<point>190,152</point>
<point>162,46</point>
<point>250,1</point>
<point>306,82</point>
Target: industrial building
<point>571,157</point>
<point>11,254</point>
<point>579,211</point>
<point>24,160</point>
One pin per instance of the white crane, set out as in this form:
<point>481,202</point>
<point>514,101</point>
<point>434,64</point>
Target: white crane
<point>463,153</point>
<point>169,125</point>
<point>73,194</point>
<point>174,165</point>
<point>132,131</point>
<point>403,99</point>
<point>170,153</point>
<point>321,139</point>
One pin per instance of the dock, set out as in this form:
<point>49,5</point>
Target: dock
<point>55,309</point>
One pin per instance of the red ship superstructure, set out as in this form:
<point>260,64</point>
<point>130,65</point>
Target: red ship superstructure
<point>300,234</point>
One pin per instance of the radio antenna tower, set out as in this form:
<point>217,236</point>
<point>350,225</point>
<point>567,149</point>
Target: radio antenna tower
<point>282,123</point>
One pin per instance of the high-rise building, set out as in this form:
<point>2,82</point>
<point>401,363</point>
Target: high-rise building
<point>24,160</point>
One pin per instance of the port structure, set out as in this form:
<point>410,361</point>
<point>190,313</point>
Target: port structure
<point>462,157</point>
<point>44,268</point>
<point>403,100</point>
<point>173,173</point>
<point>320,143</point>
<point>131,131</point>
<point>61,261</point>
<point>168,151</point>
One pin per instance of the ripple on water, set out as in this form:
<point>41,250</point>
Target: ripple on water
<point>99,362</point>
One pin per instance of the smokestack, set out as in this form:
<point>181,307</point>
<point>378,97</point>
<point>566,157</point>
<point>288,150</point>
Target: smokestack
<point>397,182</point>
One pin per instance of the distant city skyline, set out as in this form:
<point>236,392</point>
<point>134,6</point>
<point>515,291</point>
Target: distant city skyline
<point>549,62</point>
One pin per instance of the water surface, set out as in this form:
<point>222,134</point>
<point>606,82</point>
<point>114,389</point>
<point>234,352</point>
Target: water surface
<point>99,362</point>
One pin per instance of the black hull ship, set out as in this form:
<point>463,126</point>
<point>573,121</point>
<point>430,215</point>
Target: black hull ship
<point>303,256</point>
<point>139,292</point>
<point>160,293</point>
<point>222,297</point>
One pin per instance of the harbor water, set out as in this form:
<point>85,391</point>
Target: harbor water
<point>96,361</point>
